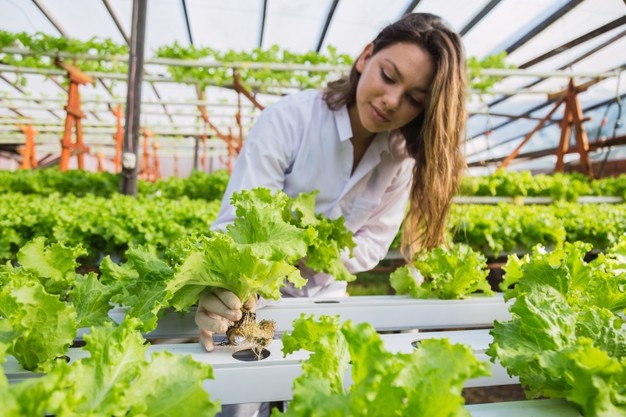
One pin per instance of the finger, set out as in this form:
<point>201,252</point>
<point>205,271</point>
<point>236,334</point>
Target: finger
<point>228,298</point>
<point>250,304</point>
<point>211,322</point>
<point>206,340</point>
<point>211,303</point>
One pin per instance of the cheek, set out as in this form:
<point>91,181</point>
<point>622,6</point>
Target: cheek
<point>408,114</point>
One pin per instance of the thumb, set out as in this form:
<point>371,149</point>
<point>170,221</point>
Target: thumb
<point>250,303</point>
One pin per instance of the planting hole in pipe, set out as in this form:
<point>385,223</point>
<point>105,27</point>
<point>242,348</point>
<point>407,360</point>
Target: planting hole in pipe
<point>326,302</point>
<point>251,355</point>
<point>416,343</point>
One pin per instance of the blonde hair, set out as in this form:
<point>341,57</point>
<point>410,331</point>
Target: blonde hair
<point>434,138</point>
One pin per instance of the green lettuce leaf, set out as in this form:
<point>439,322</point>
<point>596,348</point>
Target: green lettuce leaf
<point>449,273</point>
<point>565,338</point>
<point>91,299</point>
<point>427,381</point>
<point>171,385</point>
<point>55,265</point>
<point>143,282</point>
<point>43,326</point>
<point>223,263</point>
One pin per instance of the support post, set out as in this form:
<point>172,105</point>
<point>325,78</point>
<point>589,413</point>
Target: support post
<point>128,181</point>
<point>573,117</point>
<point>73,118</point>
<point>29,159</point>
<point>118,136</point>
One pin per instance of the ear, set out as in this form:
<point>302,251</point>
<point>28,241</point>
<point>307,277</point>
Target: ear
<point>367,53</point>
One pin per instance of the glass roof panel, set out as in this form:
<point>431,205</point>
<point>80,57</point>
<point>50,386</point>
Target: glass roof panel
<point>506,23</point>
<point>295,25</point>
<point>225,25</point>
<point>357,22</point>
<point>582,19</point>
<point>457,13</point>
<point>24,16</point>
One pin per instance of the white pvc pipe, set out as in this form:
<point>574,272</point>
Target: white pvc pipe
<point>393,312</point>
<point>273,66</point>
<point>238,381</point>
<point>122,101</point>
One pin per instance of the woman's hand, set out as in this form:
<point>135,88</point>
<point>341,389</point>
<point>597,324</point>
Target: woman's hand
<point>217,310</point>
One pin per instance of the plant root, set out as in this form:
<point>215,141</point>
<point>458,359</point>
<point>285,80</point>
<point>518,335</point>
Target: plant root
<point>248,332</point>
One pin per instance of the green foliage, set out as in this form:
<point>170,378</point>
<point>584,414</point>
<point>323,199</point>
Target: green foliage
<point>114,378</point>
<point>558,186</point>
<point>198,185</point>
<point>97,55</point>
<point>504,228</point>
<point>448,273</point>
<point>426,382</point>
<point>222,74</point>
<point>260,249</point>
<point>483,82</point>
<point>43,300</point>
<point>40,44</point>
<point>100,225</point>
<point>566,338</point>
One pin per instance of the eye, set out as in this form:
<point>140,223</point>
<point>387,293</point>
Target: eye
<point>386,78</point>
<point>414,102</point>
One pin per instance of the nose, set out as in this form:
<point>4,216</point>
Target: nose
<point>391,100</point>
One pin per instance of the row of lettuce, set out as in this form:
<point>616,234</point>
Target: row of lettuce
<point>200,185</point>
<point>566,338</point>
<point>114,224</point>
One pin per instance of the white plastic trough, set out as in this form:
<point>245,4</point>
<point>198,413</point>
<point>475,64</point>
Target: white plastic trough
<point>239,381</point>
<point>533,408</point>
<point>393,312</point>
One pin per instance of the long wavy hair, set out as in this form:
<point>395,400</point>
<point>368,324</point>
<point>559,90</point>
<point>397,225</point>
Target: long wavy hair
<point>434,138</point>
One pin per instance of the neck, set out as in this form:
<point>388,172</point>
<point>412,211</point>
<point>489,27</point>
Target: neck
<point>359,133</point>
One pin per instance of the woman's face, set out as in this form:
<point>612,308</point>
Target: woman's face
<point>394,86</point>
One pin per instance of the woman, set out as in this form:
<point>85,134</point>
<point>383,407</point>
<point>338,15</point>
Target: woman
<point>388,134</point>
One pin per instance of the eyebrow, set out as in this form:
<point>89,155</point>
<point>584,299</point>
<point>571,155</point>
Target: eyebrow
<point>399,74</point>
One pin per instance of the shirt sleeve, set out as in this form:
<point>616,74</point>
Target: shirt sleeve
<point>264,158</point>
<point>374,238</point>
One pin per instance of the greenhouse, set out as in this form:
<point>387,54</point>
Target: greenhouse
<point>329,208</point>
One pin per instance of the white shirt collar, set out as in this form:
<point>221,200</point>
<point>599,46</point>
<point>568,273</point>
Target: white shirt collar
<point>342,119</point>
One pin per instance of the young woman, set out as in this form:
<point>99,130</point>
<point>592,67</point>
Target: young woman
<point>382,146</point>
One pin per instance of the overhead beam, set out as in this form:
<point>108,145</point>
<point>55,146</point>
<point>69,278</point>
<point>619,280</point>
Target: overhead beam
<point>593,146</point>
<point>479,16</point>
<point>327,21</point>
<point>528,112</point>
<point>116,20</point>
<point>187,22</point>
<point>51,19</point>
<point>541,26</point>
<point>588,109</point>
<point>596,49</point>
<point>410,7</point>
<point>263,20</point>
<point>581,39</point>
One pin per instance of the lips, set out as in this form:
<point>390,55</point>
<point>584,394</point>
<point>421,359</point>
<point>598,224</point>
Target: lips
<point>378,115</point>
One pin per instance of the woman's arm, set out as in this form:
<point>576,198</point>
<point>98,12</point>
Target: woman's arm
<point>264,158</point>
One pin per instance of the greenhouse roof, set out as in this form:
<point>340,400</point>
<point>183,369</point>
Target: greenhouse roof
<point>549,42</point>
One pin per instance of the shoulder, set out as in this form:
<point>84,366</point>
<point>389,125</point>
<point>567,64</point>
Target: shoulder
<point>299,100</point>
<point>294,111</point>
